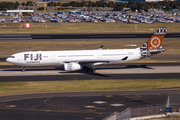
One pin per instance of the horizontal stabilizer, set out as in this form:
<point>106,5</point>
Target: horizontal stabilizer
<point>125,58</point>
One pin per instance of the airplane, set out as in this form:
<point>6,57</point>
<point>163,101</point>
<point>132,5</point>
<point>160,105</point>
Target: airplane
<point>74,60</point>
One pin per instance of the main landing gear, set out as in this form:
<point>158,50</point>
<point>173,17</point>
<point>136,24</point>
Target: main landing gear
<point>88,69</point>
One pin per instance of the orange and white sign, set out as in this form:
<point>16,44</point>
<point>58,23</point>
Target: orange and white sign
<point>155,41</point>
<point>27,25</point>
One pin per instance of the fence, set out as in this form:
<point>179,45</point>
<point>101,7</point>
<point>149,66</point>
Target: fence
<point>125,115</point>
<point>138,112</point>
<point>147,111</point>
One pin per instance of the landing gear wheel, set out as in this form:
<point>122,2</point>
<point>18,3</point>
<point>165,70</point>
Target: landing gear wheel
<point>90,70</point>
<point>23,69</point>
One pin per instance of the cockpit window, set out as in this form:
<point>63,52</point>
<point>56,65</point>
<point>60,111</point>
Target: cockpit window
<point>12,57</point>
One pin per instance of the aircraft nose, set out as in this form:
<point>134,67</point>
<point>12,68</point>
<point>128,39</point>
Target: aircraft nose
<point>7,60</point>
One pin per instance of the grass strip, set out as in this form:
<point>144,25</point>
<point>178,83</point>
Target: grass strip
<point>5,63</point>
<point>9,48</point>
<point>90,28</point>
<point>10,88</point>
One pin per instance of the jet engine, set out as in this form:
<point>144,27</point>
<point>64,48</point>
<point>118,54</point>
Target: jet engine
<point>72,66</point>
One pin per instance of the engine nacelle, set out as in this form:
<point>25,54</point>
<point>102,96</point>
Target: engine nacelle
<point>72,66</point>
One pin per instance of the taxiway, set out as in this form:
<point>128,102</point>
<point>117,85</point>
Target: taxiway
<point>108,71</point>
<point>80,105</point>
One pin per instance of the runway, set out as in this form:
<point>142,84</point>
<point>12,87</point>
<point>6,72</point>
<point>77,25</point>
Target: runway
<point>109,71</point>
<point>89,77</point>
<point>22,37</point>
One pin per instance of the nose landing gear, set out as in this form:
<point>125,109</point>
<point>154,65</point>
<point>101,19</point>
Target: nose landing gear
<point>23,69</point>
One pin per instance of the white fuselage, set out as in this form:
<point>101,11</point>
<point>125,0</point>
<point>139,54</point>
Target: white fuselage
<point>56,58</point>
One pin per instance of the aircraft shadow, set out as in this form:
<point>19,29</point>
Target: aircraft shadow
<point>82,71</point>
<point>127,67</point>
<point>57,68</point>
<point>34,69</point>
<point>88,73</point>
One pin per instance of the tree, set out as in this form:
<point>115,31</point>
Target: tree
<point>17,3</point>
<point>23,4</point>
<point>8,5</point>
<point>119,6</point>
<point>131,4</point>
<point>2,5</point>
<point>29,3</point>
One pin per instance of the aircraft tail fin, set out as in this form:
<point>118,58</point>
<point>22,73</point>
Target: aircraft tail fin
<point>156,40</point>
<point>153,45</point>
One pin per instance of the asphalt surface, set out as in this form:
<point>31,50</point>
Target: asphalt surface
<point>58,74</point>
<point>81,36</point>
<point>83,105</point>
<point>75,108</point>
<point>88,76</point>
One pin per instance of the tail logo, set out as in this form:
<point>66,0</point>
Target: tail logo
<point>155,42</point>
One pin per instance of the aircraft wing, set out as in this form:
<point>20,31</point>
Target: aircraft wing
<point>90,61</point>
<point>95,60</point>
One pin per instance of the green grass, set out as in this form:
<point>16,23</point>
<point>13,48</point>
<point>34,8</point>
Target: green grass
<point>91,28</point>
<point>9,88</point>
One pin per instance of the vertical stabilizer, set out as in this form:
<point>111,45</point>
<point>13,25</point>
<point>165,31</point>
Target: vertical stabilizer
<point>156,40</point>
<point>153,45</point>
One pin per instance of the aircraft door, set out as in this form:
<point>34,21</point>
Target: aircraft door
<point>20,57</point>
<point>99,55</point>
<point>53,57</point>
